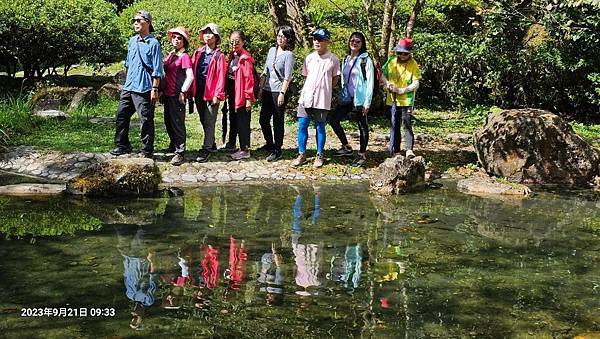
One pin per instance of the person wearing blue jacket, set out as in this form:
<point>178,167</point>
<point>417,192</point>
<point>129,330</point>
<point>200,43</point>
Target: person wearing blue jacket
<point>354,99</point>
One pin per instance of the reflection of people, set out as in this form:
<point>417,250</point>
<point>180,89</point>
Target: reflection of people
<point>272,277</point>
<point>237,264</point>
<point>347,271</point>
<point>308,256</point>
<point>139,274</point>
<point>210,267</point>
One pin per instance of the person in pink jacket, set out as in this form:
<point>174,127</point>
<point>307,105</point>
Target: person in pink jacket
<point>240,70</point>
<point>208,89</point>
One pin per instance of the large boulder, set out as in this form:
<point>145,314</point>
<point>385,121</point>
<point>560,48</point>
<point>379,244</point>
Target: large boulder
<point>55,98</point>
<point>534,146</point>
<point>121,176</point>
<point>110,91</point>
<point>398,175</point>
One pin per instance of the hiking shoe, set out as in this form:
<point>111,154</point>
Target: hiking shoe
<point>239,155</point>
<point>213,149</point>
<point>267,148</point>
<point>319,161</point>
<point>345,151</point>
<point>177,160</point>
<point>203,155</point>
<point>300,160</point>
<point>410,154</point>
<point>359,161</point>
<point>120,151</point>
<point>145,154</point>
<point>228,148</point>
<point>274,156</point>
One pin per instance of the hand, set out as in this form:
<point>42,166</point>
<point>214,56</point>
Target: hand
<point>400,90</point>
<point>248,104</point>
<point>365,111</point>
<point>391,87</point>
<point>215,101</point>
<point>182,98</point>
<point>150,256</point>
<point>154,96</point>
<point>280,99</point>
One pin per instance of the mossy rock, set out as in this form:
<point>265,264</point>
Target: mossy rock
<point>117,177</point>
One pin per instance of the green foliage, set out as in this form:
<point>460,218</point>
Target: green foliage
<point>45,34</point>
<point>52,220</point>
<point>15,119</point>
<point>228,15</point>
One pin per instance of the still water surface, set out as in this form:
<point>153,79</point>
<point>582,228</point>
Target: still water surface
<point>306,261</point>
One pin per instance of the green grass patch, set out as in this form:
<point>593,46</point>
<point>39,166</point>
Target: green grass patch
<point>588,132</point>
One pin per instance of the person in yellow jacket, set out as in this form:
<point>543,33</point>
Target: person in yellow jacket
<point>401,77</point>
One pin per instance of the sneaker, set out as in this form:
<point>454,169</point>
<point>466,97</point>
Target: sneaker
<point>203,155</point>
<point>120,151</point>
<point>228,148</point>
<point>345,151</point>
<point>300,160</point>
<point>410,154</point>
<point>239,155</point>
<point>213,149</point>
<point>177,160</point>
<point>359,161</point>
<point>266,148</point>
<point>145,154</point>
<point>319,161</point>
<point>274,156</point>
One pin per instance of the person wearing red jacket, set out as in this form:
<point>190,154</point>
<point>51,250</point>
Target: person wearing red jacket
<point>210,66</point>
<point>240,86</point>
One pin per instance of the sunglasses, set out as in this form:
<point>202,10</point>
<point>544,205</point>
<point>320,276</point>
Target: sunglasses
<point>355,41</point>
<point>234,42</point>
<point>176,36</point>
<point>318,39</point>
<point>137,20</point>
<point>402,53</point>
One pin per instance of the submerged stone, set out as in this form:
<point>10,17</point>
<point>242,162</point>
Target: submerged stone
<point>482,184</point>
<point>32,189</point>
<point>121,176</point>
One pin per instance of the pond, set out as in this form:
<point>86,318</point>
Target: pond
<point>301,261</point>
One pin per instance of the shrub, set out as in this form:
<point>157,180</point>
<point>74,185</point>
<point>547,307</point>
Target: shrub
<point>42,35</point>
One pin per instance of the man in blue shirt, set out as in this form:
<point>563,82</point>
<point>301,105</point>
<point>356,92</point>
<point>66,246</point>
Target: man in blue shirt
<point>143,65</point>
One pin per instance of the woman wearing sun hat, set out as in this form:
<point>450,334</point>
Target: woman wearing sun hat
<point>208,89</point>
<point>178,79</point>
<point>401,77</point>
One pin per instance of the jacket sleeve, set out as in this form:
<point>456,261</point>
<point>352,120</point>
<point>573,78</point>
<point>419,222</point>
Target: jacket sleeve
<point>369,81</point>
<point>221,74</point>
<point>248,81</point>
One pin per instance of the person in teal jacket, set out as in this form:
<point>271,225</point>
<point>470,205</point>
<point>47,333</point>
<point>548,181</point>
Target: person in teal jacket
<point>354,99</point>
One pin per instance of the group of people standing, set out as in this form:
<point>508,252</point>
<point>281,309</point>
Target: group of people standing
<point>211,77</point>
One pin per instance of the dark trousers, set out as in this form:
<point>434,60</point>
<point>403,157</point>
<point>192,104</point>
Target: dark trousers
<point>175,123</point>
<point>208,119</point>
<point>402,117</point>
<point>243,127</point>
<point>271,109</point>
<point>129,103</point>
<point>341,113</point>
<point>233,125</point>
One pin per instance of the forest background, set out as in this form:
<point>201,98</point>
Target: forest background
<point>505,53</point>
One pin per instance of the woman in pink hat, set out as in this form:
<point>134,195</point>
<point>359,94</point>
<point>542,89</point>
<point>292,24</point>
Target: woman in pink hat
<point>208,88</point>
<point>178,79</point>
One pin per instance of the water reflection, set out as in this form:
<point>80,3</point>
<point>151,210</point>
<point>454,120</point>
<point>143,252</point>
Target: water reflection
<point>329,260</point>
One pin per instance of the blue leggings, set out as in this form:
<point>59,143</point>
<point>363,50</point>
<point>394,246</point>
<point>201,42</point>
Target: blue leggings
<point>303,134</point>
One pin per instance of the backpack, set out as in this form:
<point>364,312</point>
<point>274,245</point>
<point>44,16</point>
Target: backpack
<point>376,101</point>
<point>256,88</point>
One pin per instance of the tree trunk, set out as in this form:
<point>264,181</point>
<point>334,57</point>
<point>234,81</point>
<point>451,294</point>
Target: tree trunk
<point>419,4</point>
<point>368,6</point>
<point>386,27</point>
<point>290,12</point>
<point>393,38</point>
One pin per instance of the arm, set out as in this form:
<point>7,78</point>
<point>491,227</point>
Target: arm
<point>410,88</point>
<point>287,79</point>
<point>157,71</point>
<point>221,74</point>
<point>189,78</point>
<point>248,84</point>
<point>370,83</point>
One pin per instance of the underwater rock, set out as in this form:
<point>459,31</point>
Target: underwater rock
<point>482,184</point>
<point>398,175</point>
<point>122,176</point>
<point>534,146</point>
<point>32,189</point>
